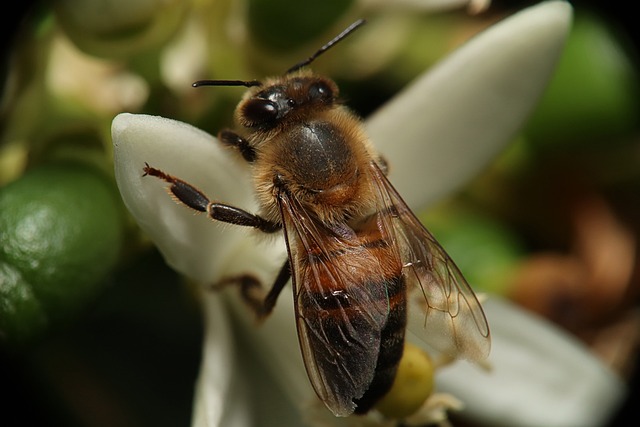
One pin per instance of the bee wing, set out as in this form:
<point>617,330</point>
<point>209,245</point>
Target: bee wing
<point>339,315</point>
<point>443,309</point>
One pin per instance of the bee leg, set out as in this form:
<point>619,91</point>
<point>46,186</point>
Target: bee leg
<point>232,139</point>
<point>196,200</point>
<point>281,279</point>
<point>252,291</point>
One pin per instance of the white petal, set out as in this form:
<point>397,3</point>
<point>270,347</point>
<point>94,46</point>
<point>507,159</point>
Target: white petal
<point>273,343</point>
<point>276,337</point>
<point>540,376</point>
<point>221,397</point>
<point>448,124</point>
<point>192,244</point>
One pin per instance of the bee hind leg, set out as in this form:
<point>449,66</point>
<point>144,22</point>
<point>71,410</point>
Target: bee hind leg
<point>253,293</point>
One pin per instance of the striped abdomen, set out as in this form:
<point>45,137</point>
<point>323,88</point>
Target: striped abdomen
<point>351,300</point>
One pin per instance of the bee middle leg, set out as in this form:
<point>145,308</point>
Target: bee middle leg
<point>196,200</point>
<point>253,293</point>
<point>232,139</point>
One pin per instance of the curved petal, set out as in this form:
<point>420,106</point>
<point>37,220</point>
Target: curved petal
<point>448,124</point>
<point>540,376</point>
<point>276,337</point>
<point>276,340</point>
<point>221,397</point>
<point>191,244</point>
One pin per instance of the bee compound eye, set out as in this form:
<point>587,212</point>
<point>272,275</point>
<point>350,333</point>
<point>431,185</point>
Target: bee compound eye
<point>320,90</point>
<point>260,111</point>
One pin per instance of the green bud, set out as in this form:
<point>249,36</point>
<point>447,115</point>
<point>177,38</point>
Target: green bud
<point>412,386</point>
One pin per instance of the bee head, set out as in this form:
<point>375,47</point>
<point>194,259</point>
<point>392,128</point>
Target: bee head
<point>267,104</point>
<point>284,98</point>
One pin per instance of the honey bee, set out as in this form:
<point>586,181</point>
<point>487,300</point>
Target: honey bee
<point>357,255</point>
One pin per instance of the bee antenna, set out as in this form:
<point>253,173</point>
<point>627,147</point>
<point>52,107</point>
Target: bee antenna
<point>245,83</point>
<point>350,29</point>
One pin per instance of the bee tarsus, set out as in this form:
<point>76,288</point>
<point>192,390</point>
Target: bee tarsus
<point>253,293</point>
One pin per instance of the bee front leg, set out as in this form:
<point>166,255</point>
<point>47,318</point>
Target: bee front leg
<point>196,200</point>
<point>232,139</point>
<point>253,293</point>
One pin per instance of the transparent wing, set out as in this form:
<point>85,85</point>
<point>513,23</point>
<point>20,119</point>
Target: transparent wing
<point>443,309</point>
<point>340,305</point>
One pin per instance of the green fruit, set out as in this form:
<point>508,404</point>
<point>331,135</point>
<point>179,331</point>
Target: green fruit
<point>61,231</point>
<point>21,314</point>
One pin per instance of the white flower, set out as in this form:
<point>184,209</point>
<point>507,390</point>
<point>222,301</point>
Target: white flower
<point>439,132</point>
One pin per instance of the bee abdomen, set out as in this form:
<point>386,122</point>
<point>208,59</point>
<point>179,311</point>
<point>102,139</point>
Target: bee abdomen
<point>353,301</point>
<point>334,313</point>
<point>391,348</point>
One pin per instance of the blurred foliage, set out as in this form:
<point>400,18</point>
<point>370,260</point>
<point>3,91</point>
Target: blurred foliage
<point>594,95</point>
<point>302,24</point>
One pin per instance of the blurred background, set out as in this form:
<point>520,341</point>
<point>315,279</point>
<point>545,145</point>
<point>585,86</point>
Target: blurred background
<point>96,330</point>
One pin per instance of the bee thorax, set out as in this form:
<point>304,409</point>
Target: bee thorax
<point>320,157</point>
